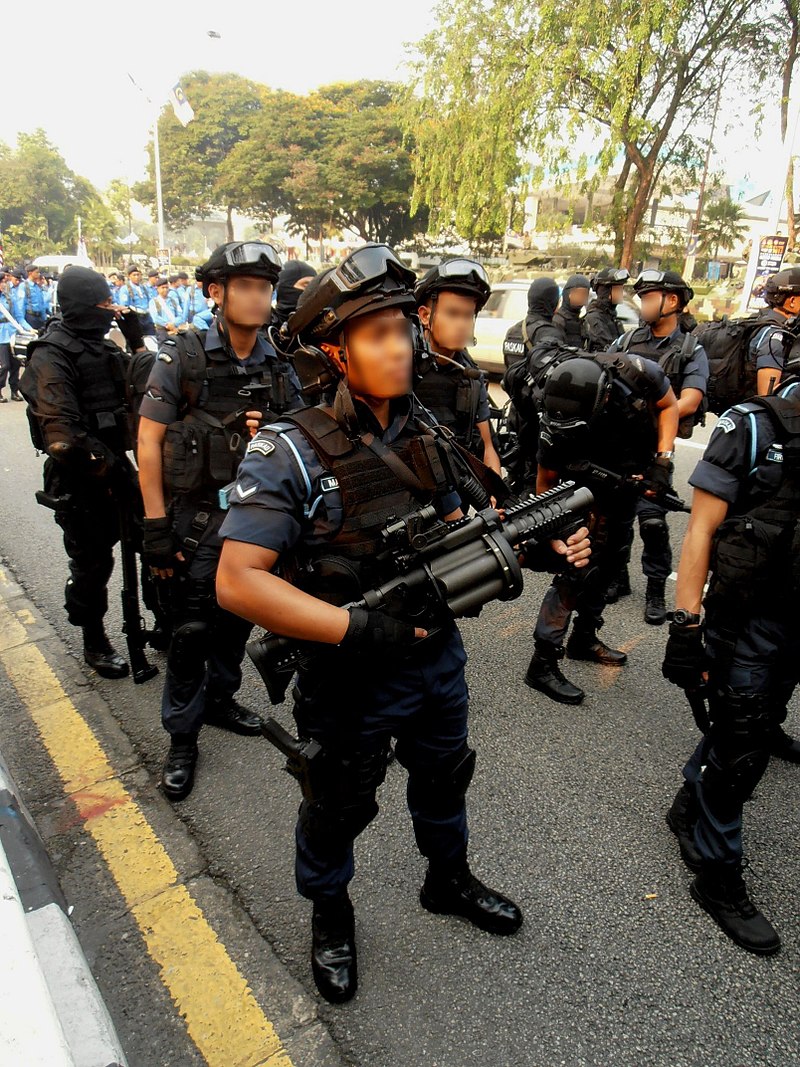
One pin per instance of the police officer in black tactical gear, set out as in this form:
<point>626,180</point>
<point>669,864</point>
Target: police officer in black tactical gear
<point>74,383</point>
<point>601,324</point>
<point>193,431</point>
<point>569,316</point>
<point>782,295</point>
<point>663,338</point>
<point>450,385</point>
<point>618,414</point>
<point>744,660</point>
<point>313,496</point>
<point>536,328</point>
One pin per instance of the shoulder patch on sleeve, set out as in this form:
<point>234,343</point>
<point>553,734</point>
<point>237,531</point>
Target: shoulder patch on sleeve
<point>165,357</point>
<point>725,424</point>
<point>261,445</point>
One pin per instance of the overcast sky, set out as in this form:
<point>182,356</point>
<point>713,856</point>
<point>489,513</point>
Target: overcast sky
<point>71,77</point>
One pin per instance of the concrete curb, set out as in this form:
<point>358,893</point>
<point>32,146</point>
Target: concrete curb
<point>51,1011</point>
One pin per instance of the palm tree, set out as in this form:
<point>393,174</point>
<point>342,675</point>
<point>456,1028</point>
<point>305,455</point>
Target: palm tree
<point>722,226</point>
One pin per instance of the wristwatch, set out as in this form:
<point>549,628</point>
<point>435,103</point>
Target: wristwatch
<point>682,617</point>
<point>665,455</point>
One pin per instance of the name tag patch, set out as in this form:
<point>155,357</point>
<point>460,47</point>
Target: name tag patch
<point>327,484</point>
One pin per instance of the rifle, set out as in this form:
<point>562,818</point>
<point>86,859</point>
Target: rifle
<point>667,498</point>
<point>133,627</point>
<point>443,570</point>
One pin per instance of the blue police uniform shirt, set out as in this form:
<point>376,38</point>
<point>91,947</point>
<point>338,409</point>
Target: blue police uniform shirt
<point>194,304</point>
<point>134,296</point>
<point>164,393</point>
<point>695,373</point>
<point>7,331</point>
<point>175,301</point>
<point>741,458</point>
<point>18,302</point>
<point>161,313</point>
<point>34,298</point>
<point>767,343</point>
<point>284,495</point>
<point>151,291</point>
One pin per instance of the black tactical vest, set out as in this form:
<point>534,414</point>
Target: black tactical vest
<point>453,397</point>
<point>202,450</point>
<point>755,560</point>
<point>673,359</point>
<point>100,370</point>
<point>373,496</point>
<point>601,326</point>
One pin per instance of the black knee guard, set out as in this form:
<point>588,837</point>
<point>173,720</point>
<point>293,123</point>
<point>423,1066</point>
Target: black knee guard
<point>344,804</point>
<point>445,785</point>
<point>187,651</point>
<point>739,745</point>
<point>654,533</point>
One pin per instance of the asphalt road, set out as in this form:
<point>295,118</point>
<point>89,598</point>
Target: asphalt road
<point>615,964</point>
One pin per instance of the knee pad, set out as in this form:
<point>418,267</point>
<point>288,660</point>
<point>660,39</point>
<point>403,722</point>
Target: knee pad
<point>187,651</point>
<point>445,783</point>
<point>739,743</point>
<point>86,604</point>
<point>654,532</point>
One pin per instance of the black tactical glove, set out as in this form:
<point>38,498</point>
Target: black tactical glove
<point>158,544</point>
<point>684,657</point>
<point>370,630</point>
<point>131,329</point>
<point>660,473</point>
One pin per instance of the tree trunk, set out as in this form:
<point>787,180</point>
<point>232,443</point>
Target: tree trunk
<point>633,219</point>
<point>229,224</point>
<point>791,230</point>
<point>619,214</point>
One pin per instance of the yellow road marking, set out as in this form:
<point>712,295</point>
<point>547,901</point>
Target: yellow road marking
<point>221,1014</point>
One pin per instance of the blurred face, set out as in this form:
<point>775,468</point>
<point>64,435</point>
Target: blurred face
<point>163,290</point>
<point>450,321</point>
<point>792,305</point>
<point>34,276</point>
<point>135,277</point>
<point>652,308</point>
<point>378,355</point>
<point>617,294</point>
<point>246,302</point>
<point>578,298</point>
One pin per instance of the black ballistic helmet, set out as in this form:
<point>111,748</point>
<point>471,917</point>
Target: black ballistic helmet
<point>778,286</point>
<point>608,277</point>
<point>455,276</point>
<point>575,392</point>
<point>370,279</point>
<point>252,259</point>
<point>663,281</point>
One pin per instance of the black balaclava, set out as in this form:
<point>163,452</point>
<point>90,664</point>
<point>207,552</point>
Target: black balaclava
<point>286,296</point>
<point>80,290</point>
<point>543,298</point>
<point>575,281</point>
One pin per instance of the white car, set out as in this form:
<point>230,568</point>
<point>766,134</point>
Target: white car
<point>507,305</point>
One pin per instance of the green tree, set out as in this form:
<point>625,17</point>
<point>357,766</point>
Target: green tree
<point>503,90</point>
<point>721,226</point>
<point>226,107</point>
<point>41,198</point>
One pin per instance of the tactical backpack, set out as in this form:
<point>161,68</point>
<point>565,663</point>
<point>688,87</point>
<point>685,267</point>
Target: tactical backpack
<point>730,345</point>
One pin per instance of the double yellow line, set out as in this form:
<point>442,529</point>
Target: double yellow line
<point>221,1014</point>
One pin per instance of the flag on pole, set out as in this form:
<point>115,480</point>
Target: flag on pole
<point>180,105</point>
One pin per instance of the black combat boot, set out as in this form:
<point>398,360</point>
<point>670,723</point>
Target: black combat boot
<point>177,778</point>
<point>101,655</point>
<point>720,889</point>
<point>584,643</point>
<point>545,675</point>
<point>681,819</point>
<point>620,587</point>
<point>783,746</point>
<point>228,714</point>
<point>655,608</point>
<point>456,891</point>
<point>333,950</point>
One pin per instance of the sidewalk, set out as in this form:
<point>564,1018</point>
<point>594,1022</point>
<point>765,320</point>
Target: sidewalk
<point>51,1011</point>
